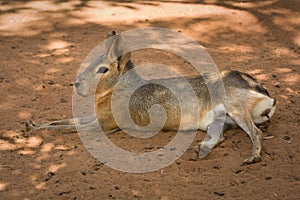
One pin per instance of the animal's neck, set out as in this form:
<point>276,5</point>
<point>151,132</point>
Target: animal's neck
<point>130,74</point>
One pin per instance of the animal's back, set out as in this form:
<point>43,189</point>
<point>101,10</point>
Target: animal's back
<point>235,84</point>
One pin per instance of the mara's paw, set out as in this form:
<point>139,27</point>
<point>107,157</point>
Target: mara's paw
<point>252,160</point>
<point>202,150</point>
<point>30,125</point>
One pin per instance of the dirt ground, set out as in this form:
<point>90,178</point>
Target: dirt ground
<point>42,46</point>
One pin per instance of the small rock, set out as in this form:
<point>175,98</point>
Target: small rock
<point>50,82</point>
<point>286,137</point>
<point>117,187</point>
<point>83,173</point>
<point>91,187</point>
<point>34,98</point>
<point>274,75</point>
<point>277,85</point>
<point>268,177</point>
<point>238,171</point>
<point>292,101</point>
<point>63,101</point>
<point>217,167</point>
<point>149,148</point>
<point>219,193</point>
<point>264,164</point>
<point>51,174</point>
<point>64,192</point>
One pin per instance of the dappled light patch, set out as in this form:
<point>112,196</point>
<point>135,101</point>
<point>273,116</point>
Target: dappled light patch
<point>24,115</point>
<point>53,71</point>
<point>40,186</point>
<point>3,186</point>
<point>64,60</point>
<point>255,71</point>
<point>45,148</point>
<point>6,145</point>
<point>283,70</point>
<point>262,77</point>
<point>34,142</point>
<point>284,52</point>
<point>57,44</point>
<point>297,39</point>
<point>292,79</point>
<point>293,20</point>
<point>249,4</point>
<point>55,168</point>
<point>236,48</point>
<point>14,22</point>
<point>26,152</point>
<point>12,140</point>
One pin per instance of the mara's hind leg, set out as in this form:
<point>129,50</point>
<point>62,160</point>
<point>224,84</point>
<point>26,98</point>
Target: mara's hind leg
<point>89,123</point>
<point>244,121</point>
<point>65,125</point>
<point>214,132</point>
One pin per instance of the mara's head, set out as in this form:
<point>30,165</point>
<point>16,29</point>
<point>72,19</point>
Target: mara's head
<point>103,73</point>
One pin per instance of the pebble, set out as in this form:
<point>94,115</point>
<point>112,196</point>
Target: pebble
<point>111,196</point>
<point>50,82</point>
<point>268,177</point>
<point>63,101</point>
<point>64,192</point>
<point>91,187</point>
<point>217,167</point>
<point>292,101</point>
<point>178,162</point>
<point>286,137</point>
<point>219,193</point>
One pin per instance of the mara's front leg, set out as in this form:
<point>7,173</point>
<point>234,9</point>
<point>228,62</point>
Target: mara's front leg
<point>244,121</point>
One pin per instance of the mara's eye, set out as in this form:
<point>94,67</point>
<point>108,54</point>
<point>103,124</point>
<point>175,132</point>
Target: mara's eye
<point>102,70</point>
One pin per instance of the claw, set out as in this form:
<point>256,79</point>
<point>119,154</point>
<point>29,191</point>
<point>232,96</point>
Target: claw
<point>30,125</point>
<point>202,150</point>
<point>251,160</point>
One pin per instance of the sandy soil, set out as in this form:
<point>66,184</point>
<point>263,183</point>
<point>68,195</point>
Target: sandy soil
<point>42,46</point>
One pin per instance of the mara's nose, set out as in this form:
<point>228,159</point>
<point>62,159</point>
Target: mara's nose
<point>77,84</point>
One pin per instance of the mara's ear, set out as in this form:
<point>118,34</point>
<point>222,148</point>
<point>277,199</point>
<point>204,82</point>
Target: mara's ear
<point>116,50</point>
